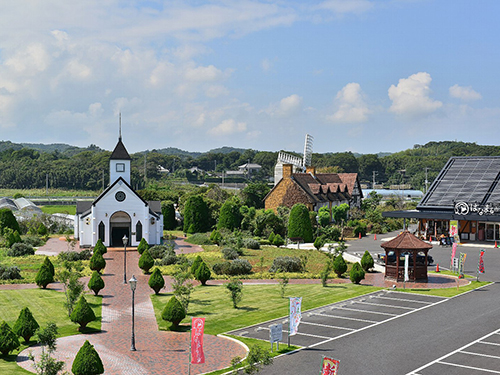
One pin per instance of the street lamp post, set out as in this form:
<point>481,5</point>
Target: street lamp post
<point>125,242</point>
<point>133,285</point>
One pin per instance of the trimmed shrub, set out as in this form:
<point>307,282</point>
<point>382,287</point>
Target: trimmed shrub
<point>299,223</point>
<point>146,261</point>
<point>8,220</point>
<point>173,312</point>
<point>25,325</point>
<point>357,274</point>
<point>202,273</point>
<point>96,283</point>
<point>271,237</point>
<point>158,251</point>
<point>74,256</point>
<point>230,254</point>
<point>287,264</point>
<point>216,237</point>
<point>42,230</point>
<point>319,242</point>
<point>199,239</point>
<point>360,228</point>
<point>168,212</point>
<point>8,339</point>
<point>82,314</point>
<point>367,261</point>
<point>11,237</point>
<point>34,241</point>
<point>278,241</point>
<point>97,262</point>
<point>49,264</point>
<point>44,276</point>
<point>20,249</point>
<point>233,268</point>
<point>143,245</point>
<point>196,263</point>
<point>99,246</point>
<point>10,273</point>
<point>156,281</point>
<point>196,215</point>
<point>250,243</point>
<point>339,265</point>
<point>168,259</point>
<point>264,243</point>
<point>229,216</point>
<point>87,361</point>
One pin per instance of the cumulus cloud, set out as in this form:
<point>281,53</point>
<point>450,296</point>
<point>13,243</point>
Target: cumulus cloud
<point>464,93</point>
<point>411,96</point>
<point>289,106</point>
<point>350,105</point>
<point>227,127</point>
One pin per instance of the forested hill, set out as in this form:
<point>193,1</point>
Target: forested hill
<point>28,165</point>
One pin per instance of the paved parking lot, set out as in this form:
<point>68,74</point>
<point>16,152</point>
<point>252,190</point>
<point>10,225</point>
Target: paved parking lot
<point>328,323</point>
<point>479,357</point>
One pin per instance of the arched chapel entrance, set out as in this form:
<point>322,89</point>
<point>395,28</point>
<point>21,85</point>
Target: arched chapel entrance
<point>119,226</point>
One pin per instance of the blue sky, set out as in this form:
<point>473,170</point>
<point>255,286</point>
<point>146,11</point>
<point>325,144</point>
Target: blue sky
<point>358,75</point>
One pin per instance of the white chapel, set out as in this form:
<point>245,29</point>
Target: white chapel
<point>118,211</point>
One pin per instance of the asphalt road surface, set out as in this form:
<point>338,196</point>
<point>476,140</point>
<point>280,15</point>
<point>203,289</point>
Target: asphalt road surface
<point>459,335</point>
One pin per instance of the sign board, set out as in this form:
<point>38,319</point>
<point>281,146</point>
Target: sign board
<point>455,264</point>
<point>466,208</point>
<point>276,333</point>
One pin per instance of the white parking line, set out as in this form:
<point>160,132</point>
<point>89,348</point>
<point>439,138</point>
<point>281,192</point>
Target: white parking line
<point>307,334</point>
<point>405,300</point>
<point>327,326</point>
<point>490,343</point>
<point>347,318</point>
<point>440,360</point>
<point>366,311</point>
<point>481,355</point>
<point>469,367</point>
<point>381,304</point>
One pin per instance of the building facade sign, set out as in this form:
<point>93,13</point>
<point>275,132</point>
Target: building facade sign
<point>467,208</point>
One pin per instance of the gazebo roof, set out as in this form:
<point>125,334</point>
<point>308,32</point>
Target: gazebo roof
<point>406,241</point>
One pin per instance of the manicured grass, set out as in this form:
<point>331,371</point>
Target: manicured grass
<point>316,261</point>
<point>59,209</point>
<point>46,306</point>
<point>27,193</point>
<point>30,265</point>
<point>447,292</point>
<point>254,342</point>
<point>260,303</point>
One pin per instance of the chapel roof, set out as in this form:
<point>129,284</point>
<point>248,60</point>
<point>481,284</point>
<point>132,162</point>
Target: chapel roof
<point>120,152</point>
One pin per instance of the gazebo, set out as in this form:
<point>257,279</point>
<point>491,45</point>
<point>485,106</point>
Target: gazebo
<point>395,250</point>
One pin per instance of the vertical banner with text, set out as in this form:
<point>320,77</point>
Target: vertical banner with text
<point>407,262</point>
<point>329,366</point>
<point>197,327</point>
<point>480,263</point>
<point>453,253</point>
<point>295,314</point>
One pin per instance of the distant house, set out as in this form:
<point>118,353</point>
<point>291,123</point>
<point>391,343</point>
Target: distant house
<point>315,190</point>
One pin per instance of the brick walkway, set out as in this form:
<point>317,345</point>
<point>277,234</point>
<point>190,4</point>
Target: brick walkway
<point>158,352</point>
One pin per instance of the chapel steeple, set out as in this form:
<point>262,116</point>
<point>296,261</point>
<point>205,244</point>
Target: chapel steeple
<point>119,161</point>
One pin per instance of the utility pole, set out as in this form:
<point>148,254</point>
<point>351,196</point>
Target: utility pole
<point>426,180</point>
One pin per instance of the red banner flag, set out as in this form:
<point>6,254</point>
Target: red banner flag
<point>197,355</point>
<point>330,366</point>
<point>481,262</point>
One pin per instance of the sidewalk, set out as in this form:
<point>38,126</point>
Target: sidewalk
<point>158,352</point>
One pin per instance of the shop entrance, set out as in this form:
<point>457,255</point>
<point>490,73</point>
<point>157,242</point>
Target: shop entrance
<point>489,231</point>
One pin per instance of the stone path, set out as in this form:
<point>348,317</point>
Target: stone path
<point>158,352</point>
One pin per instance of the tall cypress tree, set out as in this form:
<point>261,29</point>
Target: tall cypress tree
<point>299,224</point>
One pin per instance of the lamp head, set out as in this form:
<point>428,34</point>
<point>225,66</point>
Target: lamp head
<point>133,283</point>
<point>125,240</point>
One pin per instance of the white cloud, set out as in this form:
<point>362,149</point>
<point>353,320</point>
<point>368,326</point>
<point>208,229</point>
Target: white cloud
<point>227,127</point>
<point>204,74</point>
<point>29,61</point>
<point>266,65</point>
<point>346,6</point>
<point>411,96</point>
<point>464,93</point>
<point>287,107</point>
<point>350,105</point>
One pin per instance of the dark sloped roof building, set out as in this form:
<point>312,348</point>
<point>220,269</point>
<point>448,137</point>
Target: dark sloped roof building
<point>463,201</point>
<point>315,190</point>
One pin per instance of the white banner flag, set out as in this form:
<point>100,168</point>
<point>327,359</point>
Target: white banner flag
<point>295,314</point>
<point>407,261</point>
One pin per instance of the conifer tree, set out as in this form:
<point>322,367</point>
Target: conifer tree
<point>202,273</point>
<point>25,325</point>
<point>156,281</point>
<point>299,223</point>
<point>146,261</point>
<point>44,276</point>
<point>82,314</point>
<point>8,339</point>
<point>96,283</point>
<point>97,262</point>
<point>49,264</point>
<point>87,361</point>
<point>196,263</point>
<point>173,312</point>
<point>99,246</point>
<point>143,245</point>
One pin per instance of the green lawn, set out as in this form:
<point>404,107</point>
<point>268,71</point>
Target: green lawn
<point>30,265</point>
<point>59,209</point>
<point>447,292</point>
<point>260,303</point>
<point>27,193</point>
<point>46,306</point>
